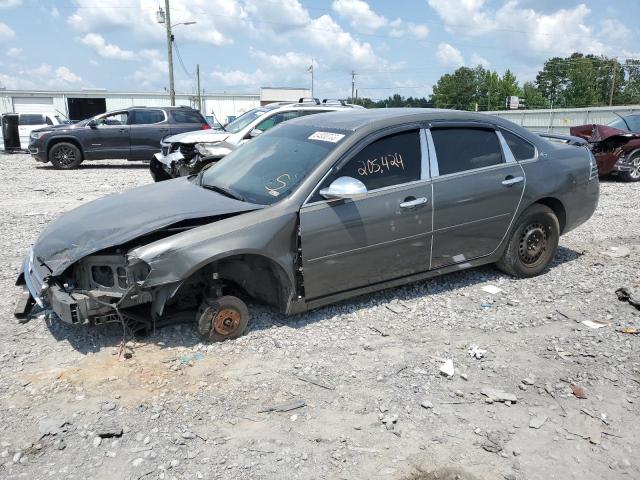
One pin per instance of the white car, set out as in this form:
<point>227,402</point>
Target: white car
<point>16,128</point>
<point>188,153</point>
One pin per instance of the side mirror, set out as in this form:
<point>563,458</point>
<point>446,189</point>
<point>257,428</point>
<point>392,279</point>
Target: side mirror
<point>254,133</point>
<point>344,187</point>
<point>92,124</point>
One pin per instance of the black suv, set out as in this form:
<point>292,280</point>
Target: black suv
<point>132,134</point>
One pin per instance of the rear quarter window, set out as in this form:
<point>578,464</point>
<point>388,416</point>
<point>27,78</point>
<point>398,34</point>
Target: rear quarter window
<point>521,149</point>
<point>187,116</point>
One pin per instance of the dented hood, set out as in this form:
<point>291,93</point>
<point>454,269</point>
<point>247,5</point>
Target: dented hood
<point>198,136</point>
<point>599,133</point>
<point>120,218</point>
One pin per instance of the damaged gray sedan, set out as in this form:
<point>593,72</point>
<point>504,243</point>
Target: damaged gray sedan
<point>317,210</point>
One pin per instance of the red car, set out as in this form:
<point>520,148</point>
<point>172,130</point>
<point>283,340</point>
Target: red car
<point>616,146</point>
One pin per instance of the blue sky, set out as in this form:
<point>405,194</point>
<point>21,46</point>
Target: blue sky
<point>400,46</point>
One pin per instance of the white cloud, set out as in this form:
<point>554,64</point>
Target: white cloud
<point>359,13</point>
<point>14,52</point>
<point>449,55</point>
<point>479,60</point>
<point>400,28</point>
<point>156,68</point>
<point>67,76</point>
<point>277,15</point>
<point>560,32</point>
<point>342,50</point>
<point>614,31</point>
<point>464,16</point>
<point>10,3</point>
<point>215,20</point>
<point>239,79</point>
<point>288,60</point>
<point>104,49</point>
<point>55,13</point>
<point>43,76</point>
<point>5,32</point>
<point>363,19</point>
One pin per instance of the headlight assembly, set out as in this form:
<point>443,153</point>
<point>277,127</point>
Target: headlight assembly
<point>211,150</point>
<point>38,135</point>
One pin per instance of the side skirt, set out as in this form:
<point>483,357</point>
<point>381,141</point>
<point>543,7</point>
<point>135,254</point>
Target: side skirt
<point>396,282</point>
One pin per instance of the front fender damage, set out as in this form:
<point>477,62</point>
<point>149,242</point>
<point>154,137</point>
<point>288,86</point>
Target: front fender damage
<point>254,253</point>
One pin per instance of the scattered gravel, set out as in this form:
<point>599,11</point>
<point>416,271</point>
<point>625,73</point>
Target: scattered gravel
<point>349,391</point>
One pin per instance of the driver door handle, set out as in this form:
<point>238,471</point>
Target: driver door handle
<point>413,203</point>
<point>512,180</point>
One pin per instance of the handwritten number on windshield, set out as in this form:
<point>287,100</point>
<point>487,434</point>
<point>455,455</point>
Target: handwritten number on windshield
<point>381,165</point>
<point>282,182</point>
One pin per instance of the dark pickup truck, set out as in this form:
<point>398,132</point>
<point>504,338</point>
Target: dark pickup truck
<point>131,134</point>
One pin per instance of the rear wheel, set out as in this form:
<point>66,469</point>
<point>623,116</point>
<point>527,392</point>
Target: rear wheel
<point>65,156</point>
<point>222,319</point>
<point>533,242</point>
<point>632,175</point>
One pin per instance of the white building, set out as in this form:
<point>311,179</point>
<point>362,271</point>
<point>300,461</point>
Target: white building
<point>85,103</point>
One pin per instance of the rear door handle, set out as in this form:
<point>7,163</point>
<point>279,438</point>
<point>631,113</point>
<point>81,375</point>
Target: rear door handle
<point>512,180</point>
<point>413,203</point>
<point>123,130</point>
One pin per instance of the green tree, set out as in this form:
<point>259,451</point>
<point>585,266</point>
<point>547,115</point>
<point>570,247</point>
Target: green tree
<point>458,90</point>
<point>631,89</point>
<point>533,97</point>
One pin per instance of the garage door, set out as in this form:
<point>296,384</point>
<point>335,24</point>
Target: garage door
<point>33,105</point>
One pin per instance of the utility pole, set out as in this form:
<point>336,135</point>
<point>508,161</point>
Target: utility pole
<point>613,81</point>
<point>353,84</point>
<point>198,81</point>
<point>172,91</point>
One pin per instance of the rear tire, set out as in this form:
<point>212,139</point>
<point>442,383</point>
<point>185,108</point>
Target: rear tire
<point>634,174</point>
<point>532,244</point>
<point>221,319</point>
<point>65,156</point>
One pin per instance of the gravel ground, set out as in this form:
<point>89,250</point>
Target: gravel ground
<point>348,391</point>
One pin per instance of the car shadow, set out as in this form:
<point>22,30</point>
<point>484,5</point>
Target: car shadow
<point>141,165</point>
<point>87,339</point>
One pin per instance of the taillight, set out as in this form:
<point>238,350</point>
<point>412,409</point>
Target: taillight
<point>205,126</point>
<point>593,166</point>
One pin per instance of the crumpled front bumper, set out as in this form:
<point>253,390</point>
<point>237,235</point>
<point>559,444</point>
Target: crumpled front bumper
<point>162,167</point>
<point>33,279</point>
<point>73,309</point>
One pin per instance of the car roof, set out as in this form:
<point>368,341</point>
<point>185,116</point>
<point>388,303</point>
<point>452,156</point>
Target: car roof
<point>357,119</point>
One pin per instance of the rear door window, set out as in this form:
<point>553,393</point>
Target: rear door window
<point>187,116</point>
<point>463,149</point>
<point>147,117</point>
<point>521,149</point>
<point>31,119</point>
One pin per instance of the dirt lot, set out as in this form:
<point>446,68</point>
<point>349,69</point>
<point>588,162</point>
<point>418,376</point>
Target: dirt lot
<point>351,391</point>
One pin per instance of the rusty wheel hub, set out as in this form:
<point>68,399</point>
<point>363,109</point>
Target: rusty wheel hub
<point>226,321</point>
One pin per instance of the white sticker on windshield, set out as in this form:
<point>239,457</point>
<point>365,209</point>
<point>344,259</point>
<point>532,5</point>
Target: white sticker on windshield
<point>327,137</point>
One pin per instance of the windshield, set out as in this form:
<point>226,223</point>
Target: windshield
<point>618,123</point>
<point>272,165</point>
<point>245,119</point>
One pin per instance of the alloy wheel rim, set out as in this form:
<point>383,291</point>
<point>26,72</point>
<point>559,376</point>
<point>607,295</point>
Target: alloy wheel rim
<point>635,171</point>
<point>65,156</point>
<point>533,243</point>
